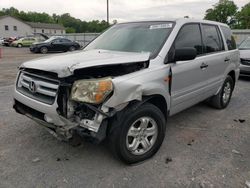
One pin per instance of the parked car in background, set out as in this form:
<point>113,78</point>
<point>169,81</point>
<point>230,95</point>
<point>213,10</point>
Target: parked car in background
<point>8,41</point>
<point>1,41</point>
<point>127,82</point>
<point>245,57</point>
<point>55,44</point>
<point>25,41</point>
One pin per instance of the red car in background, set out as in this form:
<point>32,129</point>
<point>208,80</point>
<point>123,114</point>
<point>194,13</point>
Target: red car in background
<point>8,41</point>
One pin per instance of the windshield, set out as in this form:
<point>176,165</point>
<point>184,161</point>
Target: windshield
<point>134,37</point>
<point>51,39</point>
<point>245,45</point>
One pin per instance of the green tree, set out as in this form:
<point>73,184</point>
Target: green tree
<point>243,17</point>
<point>71,24</point>
<point>224,11</point>
<point>70,30</point>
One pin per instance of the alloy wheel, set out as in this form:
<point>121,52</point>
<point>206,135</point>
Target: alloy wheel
<point>142,135</point>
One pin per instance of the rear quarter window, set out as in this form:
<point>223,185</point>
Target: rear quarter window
<point>229,38</point>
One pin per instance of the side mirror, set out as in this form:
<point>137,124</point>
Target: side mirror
<point>185,54</point>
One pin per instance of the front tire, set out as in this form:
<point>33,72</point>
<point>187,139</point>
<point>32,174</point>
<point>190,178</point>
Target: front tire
<point>223,98</point>
<point>19,45</point>
<point>44,50</point>
<point>137,134</point>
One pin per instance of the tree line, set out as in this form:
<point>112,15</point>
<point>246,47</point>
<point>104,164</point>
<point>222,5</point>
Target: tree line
<point>71,24</point>
<point>226,11</point>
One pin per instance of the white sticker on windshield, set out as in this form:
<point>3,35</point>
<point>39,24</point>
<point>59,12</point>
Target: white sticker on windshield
<point>161,26</point>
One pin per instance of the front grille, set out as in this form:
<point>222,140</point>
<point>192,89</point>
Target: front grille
<point>245,62</point>
<point>38,87</point>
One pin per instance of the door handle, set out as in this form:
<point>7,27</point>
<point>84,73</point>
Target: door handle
<point>227,59</point>
<point>203,66</point>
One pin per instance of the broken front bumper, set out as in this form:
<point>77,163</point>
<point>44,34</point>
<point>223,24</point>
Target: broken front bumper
<point>47,115</point>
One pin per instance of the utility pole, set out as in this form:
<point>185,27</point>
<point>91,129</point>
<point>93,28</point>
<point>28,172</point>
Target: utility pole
<point>108,12</point>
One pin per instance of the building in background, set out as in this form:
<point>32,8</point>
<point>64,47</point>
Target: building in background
<point>11,27</point>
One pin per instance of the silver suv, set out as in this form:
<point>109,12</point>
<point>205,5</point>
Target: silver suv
<point>128,81</point>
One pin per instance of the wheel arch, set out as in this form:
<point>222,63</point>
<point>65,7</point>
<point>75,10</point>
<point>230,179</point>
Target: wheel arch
<point>232,73</point>
<point>158,100</point>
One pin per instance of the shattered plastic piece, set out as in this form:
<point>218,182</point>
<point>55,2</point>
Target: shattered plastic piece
<point>190,143</point>
<point>125,179</point>
<point>248,184</point>
<point>65,180</point>
<point>58,159</point>
<point>242,120</point>
<point>236,152</point>
<point>168,160</point>
<point>36,160</point>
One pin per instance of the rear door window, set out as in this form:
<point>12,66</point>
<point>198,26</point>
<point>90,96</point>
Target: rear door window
<point>229,38</point>
<point>190,36</point>
<point>212,39</point>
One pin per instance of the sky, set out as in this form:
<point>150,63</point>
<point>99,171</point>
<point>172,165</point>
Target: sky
<point>121,10</point>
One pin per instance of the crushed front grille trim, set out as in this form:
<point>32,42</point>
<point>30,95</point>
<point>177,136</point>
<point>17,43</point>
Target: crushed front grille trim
<point>38,87</point>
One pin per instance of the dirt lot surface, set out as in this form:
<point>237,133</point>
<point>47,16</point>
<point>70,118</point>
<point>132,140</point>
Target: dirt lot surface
<point>203,147</point>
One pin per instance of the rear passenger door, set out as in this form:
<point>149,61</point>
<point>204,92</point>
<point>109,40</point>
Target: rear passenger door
<point>188,77</point>
<point>216,58</point>
<point>66,44</point>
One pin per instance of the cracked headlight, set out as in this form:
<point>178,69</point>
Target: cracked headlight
<point>91,91</point>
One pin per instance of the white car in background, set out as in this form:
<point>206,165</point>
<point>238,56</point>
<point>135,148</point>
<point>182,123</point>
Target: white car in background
<point>244,49</point>
<point>1,41</point>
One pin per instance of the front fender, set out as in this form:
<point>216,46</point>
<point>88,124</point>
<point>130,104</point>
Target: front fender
<point>135,86</point>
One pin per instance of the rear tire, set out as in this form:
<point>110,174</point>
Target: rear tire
<point>72,48</point>
<point>44,50</point>
<point>19,45</point>
<point>222,99</point>
<point>137,134</point>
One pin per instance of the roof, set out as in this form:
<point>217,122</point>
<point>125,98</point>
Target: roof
<point>37,24</point>
<point>179,20</point>
<point>45,25</point>
<point>5,16</point>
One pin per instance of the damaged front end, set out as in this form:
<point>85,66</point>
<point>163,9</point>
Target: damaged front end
<point>77,106</point>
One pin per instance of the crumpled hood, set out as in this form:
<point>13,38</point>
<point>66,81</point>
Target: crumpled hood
<point>245,54</point>
<point>64,65</point>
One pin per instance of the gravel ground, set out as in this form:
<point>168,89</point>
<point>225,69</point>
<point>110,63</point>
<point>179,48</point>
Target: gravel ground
<point>203,147</point>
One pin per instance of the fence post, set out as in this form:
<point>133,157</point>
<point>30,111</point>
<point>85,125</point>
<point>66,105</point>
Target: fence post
<point>84,39</point>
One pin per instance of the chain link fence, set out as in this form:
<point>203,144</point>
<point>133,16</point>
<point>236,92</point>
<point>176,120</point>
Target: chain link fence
<point>240,35</point>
